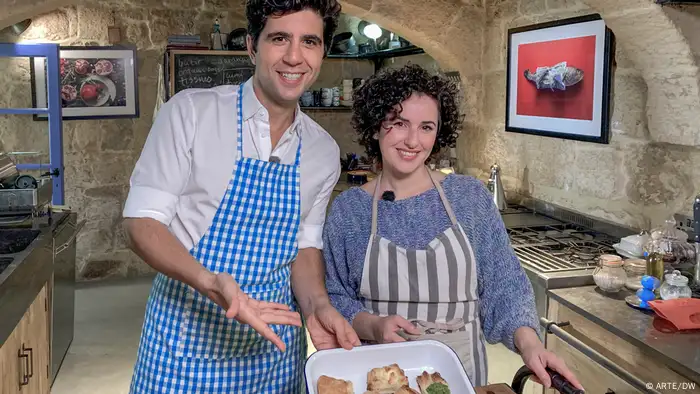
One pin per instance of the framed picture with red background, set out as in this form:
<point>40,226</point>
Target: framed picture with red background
<point>559,79</point>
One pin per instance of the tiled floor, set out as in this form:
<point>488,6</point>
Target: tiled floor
<point>107,329</point>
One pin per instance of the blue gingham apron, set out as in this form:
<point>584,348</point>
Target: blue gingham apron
<point>188,345</point>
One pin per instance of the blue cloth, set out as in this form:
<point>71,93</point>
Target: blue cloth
<point>188,345</point>
<point>506,296</point>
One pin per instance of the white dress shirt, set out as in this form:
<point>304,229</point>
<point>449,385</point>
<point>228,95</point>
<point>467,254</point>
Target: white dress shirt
<point>190,155</point>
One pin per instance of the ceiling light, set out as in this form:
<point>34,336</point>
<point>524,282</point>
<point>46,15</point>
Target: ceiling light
<point>372,31</point>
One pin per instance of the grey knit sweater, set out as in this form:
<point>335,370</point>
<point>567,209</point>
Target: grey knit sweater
<point>506,295</point>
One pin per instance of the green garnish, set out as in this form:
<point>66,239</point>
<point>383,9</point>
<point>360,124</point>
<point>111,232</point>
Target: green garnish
<point>438,388</point>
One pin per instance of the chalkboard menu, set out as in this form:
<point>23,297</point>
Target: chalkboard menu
<point>206,69</point>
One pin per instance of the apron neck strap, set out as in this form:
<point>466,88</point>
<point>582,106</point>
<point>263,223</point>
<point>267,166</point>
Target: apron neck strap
<point>239,123</point>
<point>443,198</point>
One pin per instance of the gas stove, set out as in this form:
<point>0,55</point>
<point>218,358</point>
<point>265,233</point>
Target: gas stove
<point>560,247</point>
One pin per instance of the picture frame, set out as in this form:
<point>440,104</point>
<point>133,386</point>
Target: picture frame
<point>97,82</point>
<point>559,79</point>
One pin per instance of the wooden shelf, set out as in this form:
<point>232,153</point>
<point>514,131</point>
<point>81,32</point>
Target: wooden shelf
<point>378,55</point>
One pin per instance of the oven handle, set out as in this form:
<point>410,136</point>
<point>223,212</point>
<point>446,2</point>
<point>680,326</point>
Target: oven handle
<point>66,245</point>
<point>554,328</point>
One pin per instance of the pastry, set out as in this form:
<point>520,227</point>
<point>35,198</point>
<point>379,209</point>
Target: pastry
<point>432,383</point>
<point>406,390</point>
<point>386,379</point>
<point>328,385</point>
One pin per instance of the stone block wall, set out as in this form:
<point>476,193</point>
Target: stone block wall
<point>633,180</point>
<point>100,154</point>
<point>648,172</point>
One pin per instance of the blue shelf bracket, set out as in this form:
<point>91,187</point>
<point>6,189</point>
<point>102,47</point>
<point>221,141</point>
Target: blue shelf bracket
<point>54,111</point>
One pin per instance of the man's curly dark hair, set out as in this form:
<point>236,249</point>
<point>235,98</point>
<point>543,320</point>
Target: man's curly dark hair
<point>257,12</point>
<point>374,100</point>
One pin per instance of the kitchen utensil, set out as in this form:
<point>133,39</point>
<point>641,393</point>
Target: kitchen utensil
<point>354,364</point>
<point>559,383</point>
<point>236,39</point>
<point>683,313</point>
<point>635,269</point>
<point>646,293</point>
<point>357,177</point>
<point>675,286</point>
<point>610,275</point>
<point>8,171</point>
<point>626,253</point>
<point>344,43</point>
<point>634,244</point>
<point>496,188</point>
<point>634,301</point>
<point>25,182</point>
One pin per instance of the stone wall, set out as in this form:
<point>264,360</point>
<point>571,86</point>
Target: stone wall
<point>633,180</point>
<point>648,172</point>
<point>100,154</point>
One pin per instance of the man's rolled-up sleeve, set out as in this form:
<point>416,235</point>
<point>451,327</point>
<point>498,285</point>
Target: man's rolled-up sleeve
<point>162,170</point>
<point>311,227</point>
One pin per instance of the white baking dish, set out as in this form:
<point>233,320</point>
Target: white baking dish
<point>413,357</point>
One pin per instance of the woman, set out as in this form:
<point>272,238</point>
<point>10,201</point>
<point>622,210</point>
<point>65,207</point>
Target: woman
<point>433,259</point>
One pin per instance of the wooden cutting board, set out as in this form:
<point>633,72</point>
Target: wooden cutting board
<point>500,388</point>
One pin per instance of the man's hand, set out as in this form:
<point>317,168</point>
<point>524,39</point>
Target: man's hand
<point>329,329</point>
<point>224,290</point>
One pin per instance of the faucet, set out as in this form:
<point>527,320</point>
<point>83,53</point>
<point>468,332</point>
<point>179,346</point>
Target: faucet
<point>496,188</point>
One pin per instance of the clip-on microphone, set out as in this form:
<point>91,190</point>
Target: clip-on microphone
<point>388,195</point>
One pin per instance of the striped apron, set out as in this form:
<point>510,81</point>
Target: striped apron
<point>187,344</point>
<point>435,288</point>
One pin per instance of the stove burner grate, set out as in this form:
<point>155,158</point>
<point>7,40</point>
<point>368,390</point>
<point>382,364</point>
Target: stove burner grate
<point>559,248</point>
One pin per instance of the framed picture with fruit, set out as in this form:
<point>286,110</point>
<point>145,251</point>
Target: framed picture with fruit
<point>96,82</point>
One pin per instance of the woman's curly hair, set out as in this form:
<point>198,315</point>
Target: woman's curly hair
<point>257,12</point>
<point>376,99</point>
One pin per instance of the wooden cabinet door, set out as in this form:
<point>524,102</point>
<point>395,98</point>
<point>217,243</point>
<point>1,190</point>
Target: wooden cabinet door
<point>11,365</point>
<point>36,344</point>
<point>24,357</point>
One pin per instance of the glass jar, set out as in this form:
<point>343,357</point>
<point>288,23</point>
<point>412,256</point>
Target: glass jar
<point>610,275</point>
<point>667,247</point>
<point>675,286</point>
<point>635,270</point>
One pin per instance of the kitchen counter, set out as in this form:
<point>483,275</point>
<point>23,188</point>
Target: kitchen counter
<point>680,351</point>
<point>24,278</point>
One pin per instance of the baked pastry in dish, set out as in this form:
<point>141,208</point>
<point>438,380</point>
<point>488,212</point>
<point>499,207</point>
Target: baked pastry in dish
<point>328,385</point>
<point>432,383</point>
<point>387,379</point>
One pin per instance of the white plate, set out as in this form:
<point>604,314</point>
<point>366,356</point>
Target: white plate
<point>413,357</point>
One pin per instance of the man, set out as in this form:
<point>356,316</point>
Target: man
<point>227,202</point>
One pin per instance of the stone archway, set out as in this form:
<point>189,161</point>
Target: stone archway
<point>652,41</point>
<point>654,44</point>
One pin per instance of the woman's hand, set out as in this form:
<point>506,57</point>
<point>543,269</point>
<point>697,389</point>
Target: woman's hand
<point>537,358</point>
<point>385,329</point>
<point>224,290</point>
